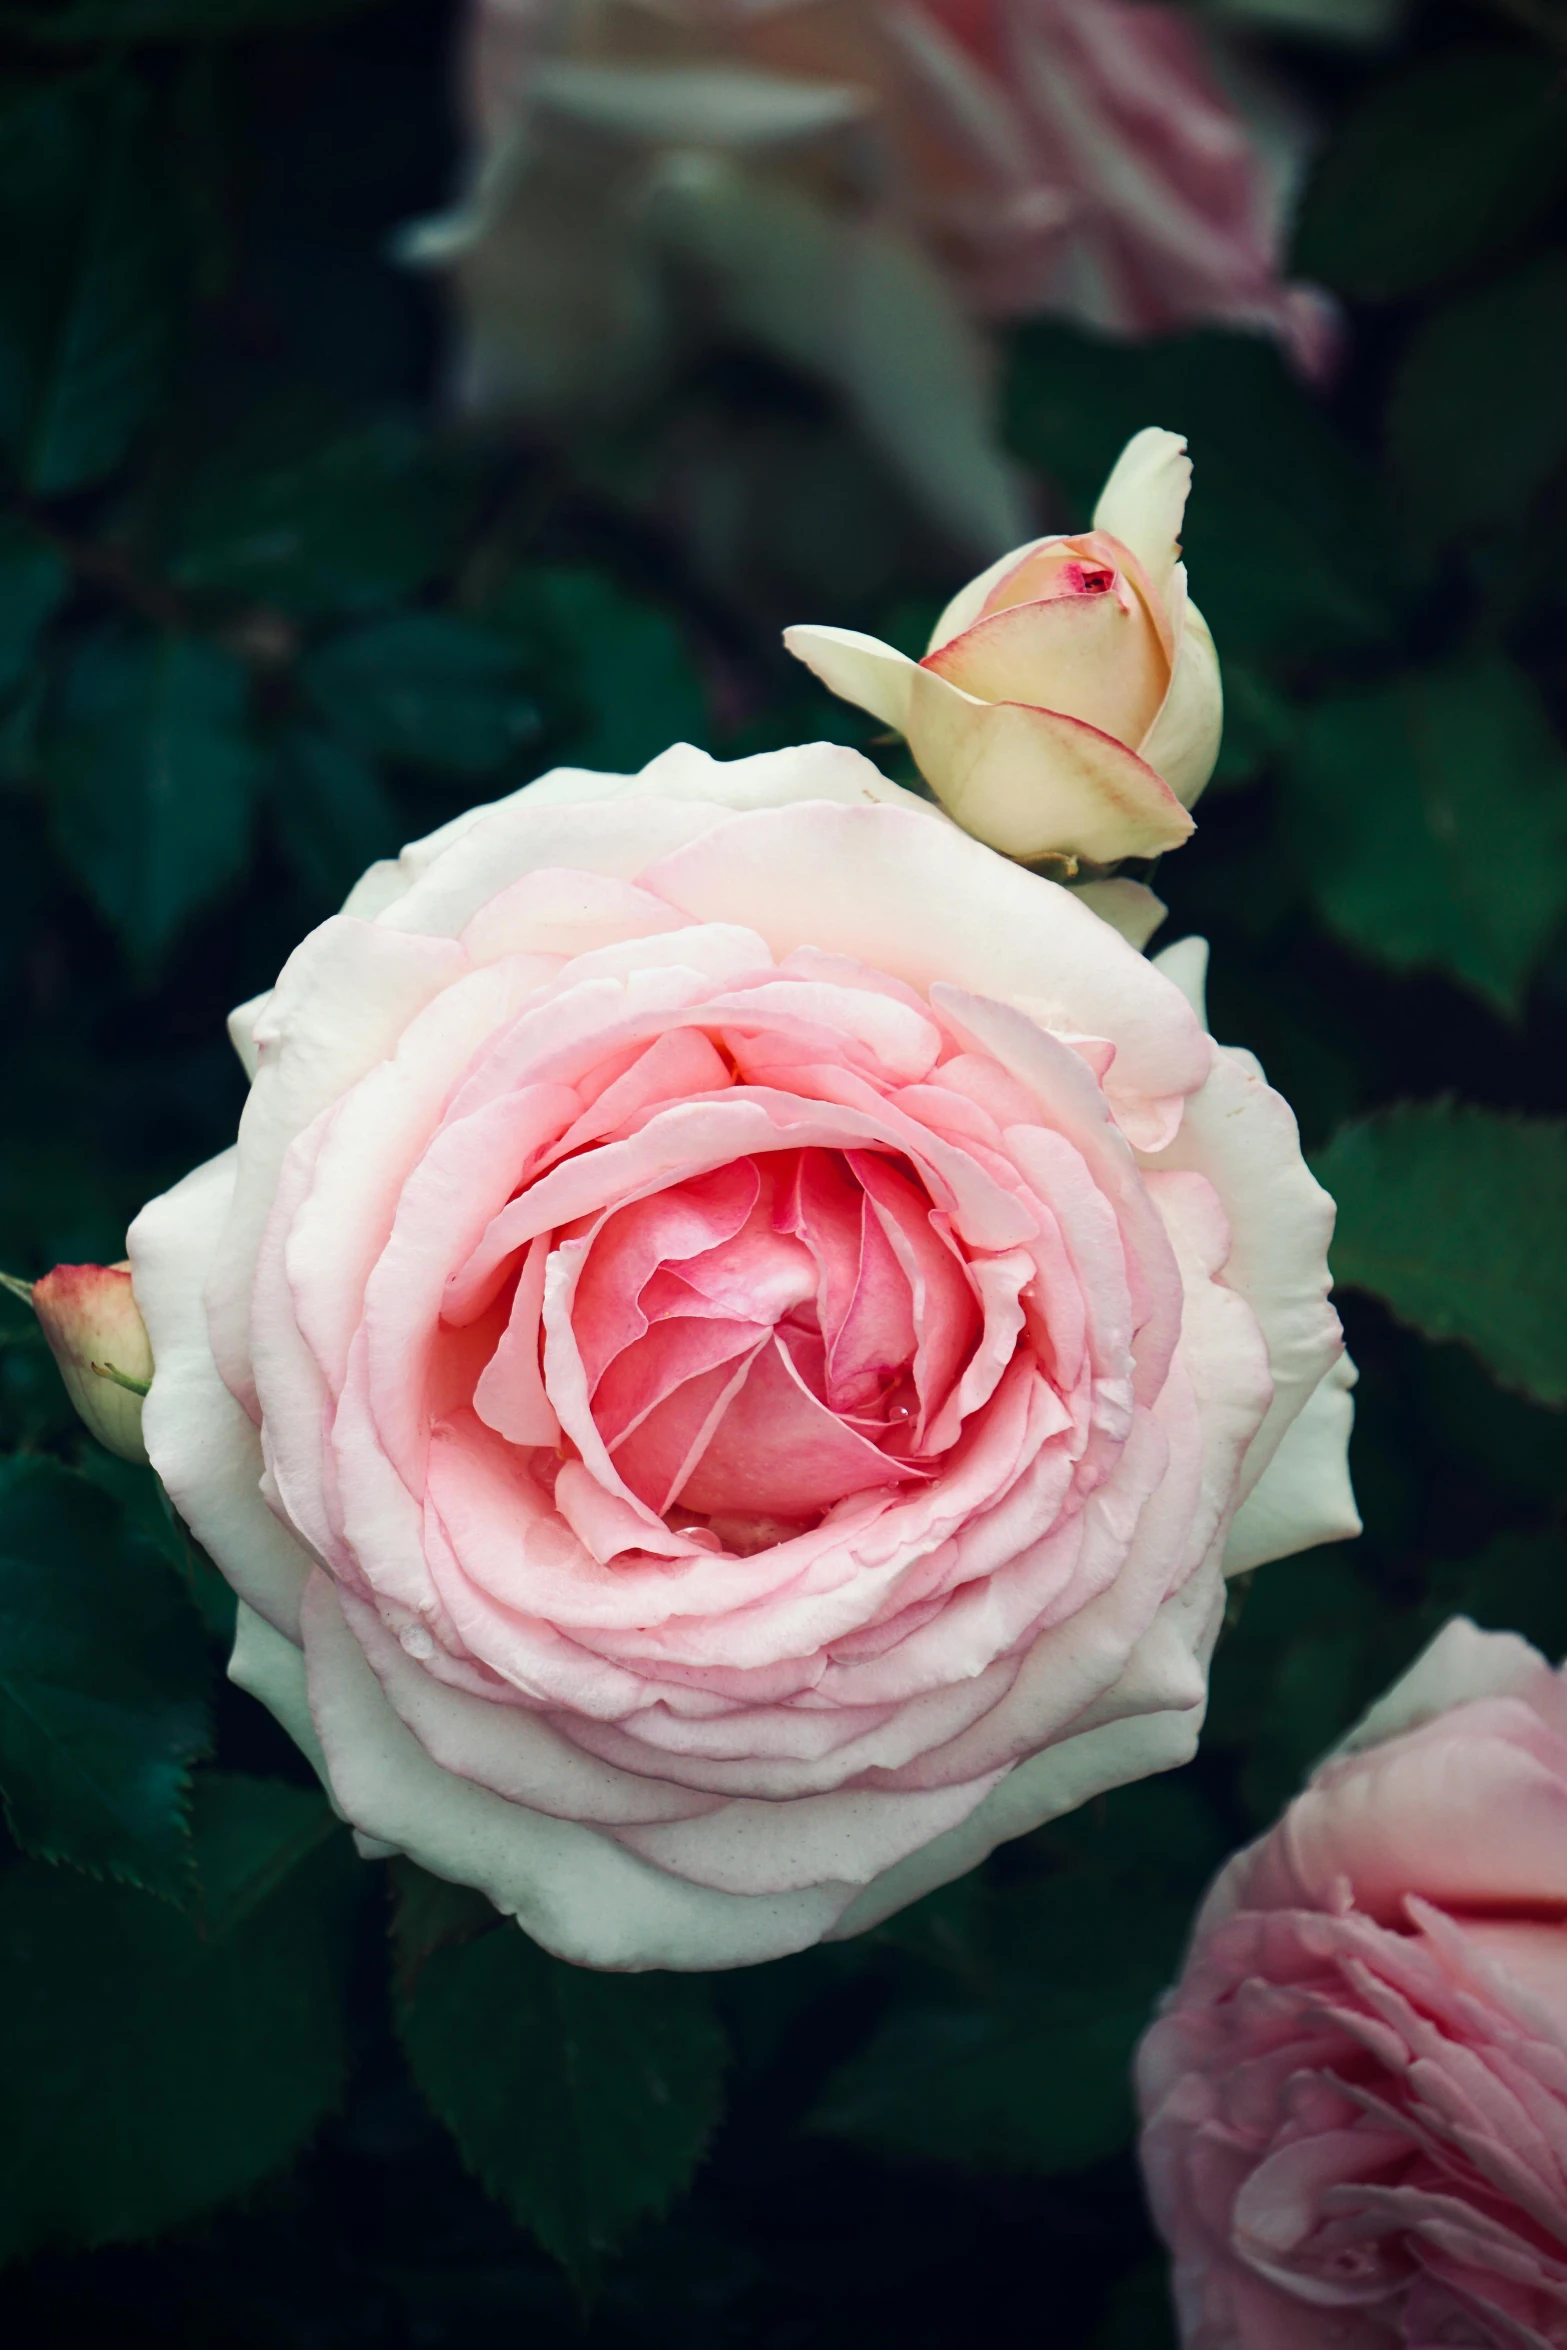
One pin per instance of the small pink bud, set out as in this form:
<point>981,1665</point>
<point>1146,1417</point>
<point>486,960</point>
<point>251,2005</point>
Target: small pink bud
<point>97,1336</point>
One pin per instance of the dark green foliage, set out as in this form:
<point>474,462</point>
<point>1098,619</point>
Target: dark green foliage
<point>218,2050</point>
<point>582,2101</point>
<point>310,520</point>
<point>626,668</point>
<point>1458,1219</point>
<point>1285,541</point>
<point>154,778</point>
<point>103,1685</point>
<point>32,582</point>
<point>1430,816</point>
<point>334,813</point>
<point>1477,418</point>
<point>1442,163</point>
<point>84,314</point>
<point>1517,1583</point>
<point>427,686</point>
<point>1011,2044</point>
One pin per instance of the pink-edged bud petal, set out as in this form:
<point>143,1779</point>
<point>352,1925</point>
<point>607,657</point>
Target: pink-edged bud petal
<point>1075,628</point>
<point>1068,704</point>
<point>1036,783</point>
<point>1182,744</point>
<point>90,1317</point>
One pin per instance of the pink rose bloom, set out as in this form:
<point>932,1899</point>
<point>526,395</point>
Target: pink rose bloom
<point>1355,2102</point>
<point>738,1337</point>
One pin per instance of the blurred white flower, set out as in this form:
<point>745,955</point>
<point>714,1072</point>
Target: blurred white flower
<point>851,184</point>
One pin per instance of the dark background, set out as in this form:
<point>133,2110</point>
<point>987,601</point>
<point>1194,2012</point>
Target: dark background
<point>265,612</point>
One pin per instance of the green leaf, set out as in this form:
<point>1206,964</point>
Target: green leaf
<point>1477,418</point>
<point>431,1914</point>
<point>84,311</point>
<point>103,1684</point>
<point>1517,1583</point>
<point>1430,816</point>
<point>33,581</point>
<point>998,2090</point>
<point>1436,168</point>
<point>153,2063</point>
<point>1020,2061</point>
<point>1314,1644</point>
<point>1457,1219</point>
<point>153,780</point>
<point>623,664</point>
<point>140,1494</point>
<point>1284,537</point>
<point>333,811</point>
<point>1258,725</point>
<point>1036,2076</point>
<point>426,686</point>
<point>310,522</point>
<point>582,2101</point>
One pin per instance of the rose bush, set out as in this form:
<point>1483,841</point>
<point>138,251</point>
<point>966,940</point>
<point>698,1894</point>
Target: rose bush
<point>1356,2103</point>
<point>1068,703</point>
<point>738,1336</point>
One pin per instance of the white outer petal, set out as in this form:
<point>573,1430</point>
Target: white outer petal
<point>576,1892</point>
<point>768,779</point>
<point>1304,1495</point>
<point>242,1026</point>
<point>271,1668</point>
<point>1242,1135</point>
<point>1129,907</point>
<point>198,1439</point>
<point>1164,1693</point>
<point>1185,964</point>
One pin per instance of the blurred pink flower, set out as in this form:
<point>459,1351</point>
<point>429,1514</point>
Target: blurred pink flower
<point>1355,2103</point>
<point>853,183</point>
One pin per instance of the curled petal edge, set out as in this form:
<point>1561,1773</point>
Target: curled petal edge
<point>1033,783</point>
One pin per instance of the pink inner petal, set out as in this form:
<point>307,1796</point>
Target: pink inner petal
<point>633,1242</point>
<point>657,1455</point>
<point>510,1396</point>
<point>673,1352</point>
<point>946,1313</point>
<point>776,1448</point>
<point>876,1341</point>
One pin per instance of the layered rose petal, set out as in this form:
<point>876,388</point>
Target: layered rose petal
<point>1356,2100</point>
<point>752,1329</point>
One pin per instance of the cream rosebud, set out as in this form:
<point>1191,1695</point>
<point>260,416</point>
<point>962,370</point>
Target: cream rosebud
<point>90,1317</point>
<point>1069,702</point>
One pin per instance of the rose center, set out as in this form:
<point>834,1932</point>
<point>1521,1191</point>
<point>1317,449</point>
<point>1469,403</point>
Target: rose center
<point>775,1336</point>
